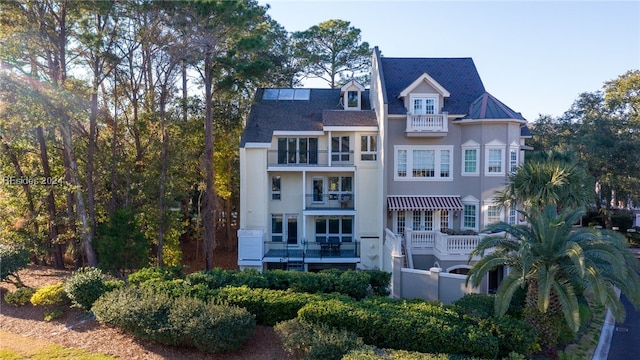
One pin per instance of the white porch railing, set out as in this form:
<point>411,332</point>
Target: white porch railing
<point>427,123</point>
<point>443,244</point>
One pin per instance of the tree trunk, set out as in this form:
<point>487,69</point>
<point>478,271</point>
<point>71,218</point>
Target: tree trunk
<point>51,203</point>
<point>72,170</point>
<point>208,216</point>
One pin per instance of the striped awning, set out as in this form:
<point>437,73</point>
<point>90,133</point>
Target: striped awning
<point>396,203</point>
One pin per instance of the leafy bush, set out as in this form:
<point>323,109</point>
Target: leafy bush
<point>475,305</point>
<point>413,326</point>
<point>13,259</point>
<point>213,279</point>
<point>316,342</point>
<point>373,353</point>
<point>154,273</point>
<point>270,306</point>
<point>20,297</point>
<point>178,288</point>
<point>514,335</point>
<point>53,298</point>
<point>183,321</point>
<point>379,281</point>
<point>50,295</point>
<point>86,285</point>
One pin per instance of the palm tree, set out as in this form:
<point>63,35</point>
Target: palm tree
<point>558,265</point>
<point>548,178</point>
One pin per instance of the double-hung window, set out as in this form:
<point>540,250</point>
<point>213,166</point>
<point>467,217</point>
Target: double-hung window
<point>423,162</point>
<point>470,158</point>
<point>469,216</point>
<point>493,214</point>
<point>424,105</point>
<point>513,160</point>
<point>340,187</point>
<point>494,158</point>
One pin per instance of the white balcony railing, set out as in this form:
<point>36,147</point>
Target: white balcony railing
<point>437,123</point>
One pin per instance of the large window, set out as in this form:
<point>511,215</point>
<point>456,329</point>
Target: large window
<point>470,161</point>
<point>423,162</point>
<point>279,232</point>
<point>494,158</point>
<point>337,227</point>
<point>318,190</point>
<point>368,147</point>
<point>297,151</point>
<point>422,220</point>
<point>493,214</point>
<point>340,148</point>
<point>424,106</point>
<point>276,190</point>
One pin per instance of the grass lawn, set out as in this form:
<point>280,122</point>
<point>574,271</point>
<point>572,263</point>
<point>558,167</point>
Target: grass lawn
<point>15,347</point>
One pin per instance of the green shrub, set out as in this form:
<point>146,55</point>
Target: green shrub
<point>514,335</point>
<point>475,305</point>
<point>316,342</point>
<point>20,297</point>
<point>183,321</point>
<point>414,326</point>
<point>50,295</point>
<point>379,281</point>
<point>372,353</point>
<point>120,244</point>
<point>13,259</point>
<point>85,286</point>
<point>209,327</point>
<point>177,288</point>
<point>270,306</point>
<point>154,273</point>
<point>53,298</point>
<point>213,279</point>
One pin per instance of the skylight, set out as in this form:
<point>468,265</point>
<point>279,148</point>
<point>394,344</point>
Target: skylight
<point>286,94</point>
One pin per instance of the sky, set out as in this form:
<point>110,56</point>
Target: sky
<point>535,56</point>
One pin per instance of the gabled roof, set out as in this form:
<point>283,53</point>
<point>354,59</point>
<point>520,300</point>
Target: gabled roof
<point>488,107</point>
<point>457,75</point>
<point>429,80</point>
<point>352,83</point>
<point>268,116</point>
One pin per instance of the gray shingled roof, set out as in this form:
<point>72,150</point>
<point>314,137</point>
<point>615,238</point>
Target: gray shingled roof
<point>349,118</point>
<point>488,107</point>
<point>458,75</point>
<point>268,116</point>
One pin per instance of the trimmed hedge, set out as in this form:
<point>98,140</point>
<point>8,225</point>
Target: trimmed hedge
<point>50,295</point>
<point>316,342</point>
<point>357,284</point>
<point>271,306</point>
<point>179,321</point>
<point>423,327</point>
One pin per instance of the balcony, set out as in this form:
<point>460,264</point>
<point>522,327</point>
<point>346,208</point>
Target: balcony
<point>427,125</point>
<point>276,158</point>
<point>332,251</point>
<point>441,244</point>
<point>332,201</point>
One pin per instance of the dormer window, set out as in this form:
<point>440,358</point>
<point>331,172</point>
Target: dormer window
<point>352,95</point>
<point>353,99</point>
<point>424,105</point>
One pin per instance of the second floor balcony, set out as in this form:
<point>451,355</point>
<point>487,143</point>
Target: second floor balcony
<point>315,158</point>
<point>442,244</point>
<point>429,125</point>
<point>319,201</point>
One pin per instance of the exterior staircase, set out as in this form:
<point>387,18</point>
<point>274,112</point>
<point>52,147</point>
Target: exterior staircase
<point>295,265</point>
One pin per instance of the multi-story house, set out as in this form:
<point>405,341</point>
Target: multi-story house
<point>327,174</point>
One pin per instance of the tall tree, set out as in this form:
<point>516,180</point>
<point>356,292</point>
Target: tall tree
<point>558,265</point>
<point>332,51</point>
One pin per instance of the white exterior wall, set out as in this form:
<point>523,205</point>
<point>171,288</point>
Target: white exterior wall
<point>254,183</point>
